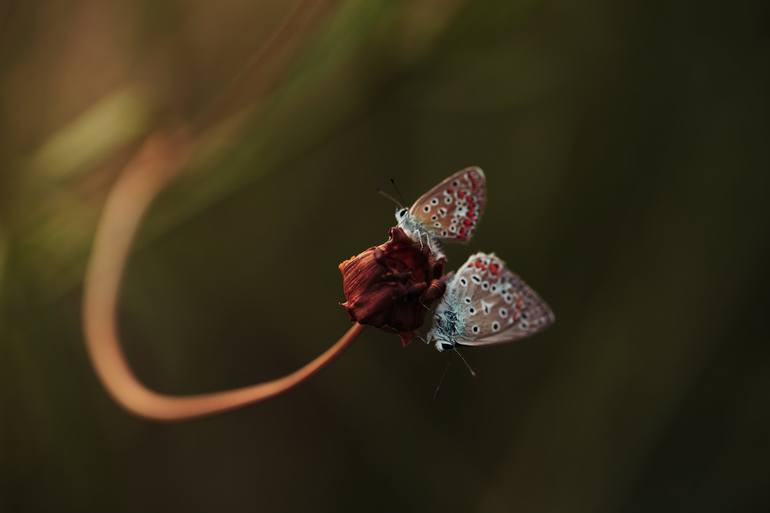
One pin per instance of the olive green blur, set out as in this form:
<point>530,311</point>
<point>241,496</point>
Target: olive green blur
<point>626,151</point>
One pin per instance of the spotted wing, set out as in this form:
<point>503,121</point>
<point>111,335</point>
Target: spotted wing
<point>452,209</point>
<point>495,304</point>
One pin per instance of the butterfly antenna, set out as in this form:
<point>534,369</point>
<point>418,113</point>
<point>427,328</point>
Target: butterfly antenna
<point>390,197</point>
<point>398,191</point>
<point>441,379</point>
<point>470,369</point>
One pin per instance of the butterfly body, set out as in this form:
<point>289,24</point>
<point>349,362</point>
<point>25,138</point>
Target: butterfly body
<point>449,211</point>
<point>448,325</point>
<point>485,303</point>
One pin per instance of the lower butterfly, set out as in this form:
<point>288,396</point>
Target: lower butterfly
<point>484,304</point>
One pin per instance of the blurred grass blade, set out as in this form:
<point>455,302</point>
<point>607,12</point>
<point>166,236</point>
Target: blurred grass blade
<point>109,124</point>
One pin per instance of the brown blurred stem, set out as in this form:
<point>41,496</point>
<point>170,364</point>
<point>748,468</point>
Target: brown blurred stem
<point>159,160</point>
<point>162,156</point>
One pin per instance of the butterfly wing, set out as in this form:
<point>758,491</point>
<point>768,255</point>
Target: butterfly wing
<point>452,209</point>
<point>495,305</point>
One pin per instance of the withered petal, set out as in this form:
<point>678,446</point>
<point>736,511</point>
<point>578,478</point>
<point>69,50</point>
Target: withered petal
<point>391,286</point>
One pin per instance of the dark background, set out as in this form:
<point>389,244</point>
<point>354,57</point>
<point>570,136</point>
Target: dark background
<point>626,150</point>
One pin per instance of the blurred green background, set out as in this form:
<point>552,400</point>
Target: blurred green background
<point>626,150</point>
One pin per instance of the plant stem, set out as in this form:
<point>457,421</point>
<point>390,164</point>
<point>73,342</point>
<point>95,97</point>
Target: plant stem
<point>162,156</point>
<point>156,163</point>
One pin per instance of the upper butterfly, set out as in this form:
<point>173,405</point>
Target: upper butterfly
<point>449,211</point>
<point>485,303</point>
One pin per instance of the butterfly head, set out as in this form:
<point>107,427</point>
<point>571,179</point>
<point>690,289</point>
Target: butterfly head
<point>441,340</point>
<point>407,222</point>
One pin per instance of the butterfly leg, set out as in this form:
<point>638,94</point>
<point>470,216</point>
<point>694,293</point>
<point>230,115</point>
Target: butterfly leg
<point>420,235</point>
<point>416,290</point>
<point>435,290</point>
<point>396,276</point>
<point>432,292</point>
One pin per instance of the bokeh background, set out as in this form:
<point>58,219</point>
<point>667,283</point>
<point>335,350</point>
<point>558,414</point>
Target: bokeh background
<point>626,150</point>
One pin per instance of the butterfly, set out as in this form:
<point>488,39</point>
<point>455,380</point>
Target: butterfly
<point>485,303</point>
<point>449,211</point>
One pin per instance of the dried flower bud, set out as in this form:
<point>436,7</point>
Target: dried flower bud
<point>391,286</point>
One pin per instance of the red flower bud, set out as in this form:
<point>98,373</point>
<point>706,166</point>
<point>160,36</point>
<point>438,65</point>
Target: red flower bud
<point>391,286</point>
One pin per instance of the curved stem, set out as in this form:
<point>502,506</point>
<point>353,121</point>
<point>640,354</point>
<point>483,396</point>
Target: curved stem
<point>159,160</point>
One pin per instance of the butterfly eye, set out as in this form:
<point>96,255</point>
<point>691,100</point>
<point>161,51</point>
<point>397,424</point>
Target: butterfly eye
<point>402,212</point>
